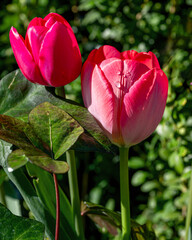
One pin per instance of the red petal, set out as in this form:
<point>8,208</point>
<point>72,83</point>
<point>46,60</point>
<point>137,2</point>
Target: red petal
<point>36,22</point>
<point>35,36</point>
<point>24,59</point>
<point>104,52</point>
<point>143,107</point>
<point>51,18</point>
<point>130,54</point>
<point>149,59</point>
<point>59,57</point>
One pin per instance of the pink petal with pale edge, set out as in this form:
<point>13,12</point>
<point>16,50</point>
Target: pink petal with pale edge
<point>59,57</point>
<point>143,107</point>
<point>98,96</point>
<point>121,75</point>
<point>24,59</point>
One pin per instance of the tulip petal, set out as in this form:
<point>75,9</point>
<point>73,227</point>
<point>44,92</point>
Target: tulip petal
<point>24,58</point>
<point>130,54</point>
<point>59,56</point>
<point>51,18</point>
<point>122,74</point>
<point>36,22</point>
<point>34,38</point>
<point>149,59</point>
<point>98,96</point>
<point>104,52</point>
<point>143,107</point>
<point>155,62</point>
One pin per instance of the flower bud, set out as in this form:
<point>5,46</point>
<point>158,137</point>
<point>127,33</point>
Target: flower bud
<point>49,55</point>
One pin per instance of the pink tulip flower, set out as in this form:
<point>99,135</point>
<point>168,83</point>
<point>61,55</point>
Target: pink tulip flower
<point>125,92</point>
<point>49,55</point>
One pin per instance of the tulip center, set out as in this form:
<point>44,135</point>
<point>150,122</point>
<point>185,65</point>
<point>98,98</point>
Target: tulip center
<point>122,75</point>
<point>123,83</point>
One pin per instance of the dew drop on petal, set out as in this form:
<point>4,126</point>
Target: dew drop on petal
<point>118,84</point>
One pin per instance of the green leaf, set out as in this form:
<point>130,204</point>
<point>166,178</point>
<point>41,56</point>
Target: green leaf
<point>87,121</point>
<point>26,189</point>
<point>138,178</point>
<point>12,131</point>
<point>16,160</point>
<point>149,185</point>
<point>136,163</point>
<point>54,127</point>
<point>142,232</point>
<point>20,157</point>
<point>46,193</point>
<point>176,161</point>
<point>111,220</point>
<point>18,97</point>
<point>5,150</point>
<point>103,217</point>
<point>14,228</point>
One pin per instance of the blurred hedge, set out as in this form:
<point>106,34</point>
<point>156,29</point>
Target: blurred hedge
<point>160,166</point>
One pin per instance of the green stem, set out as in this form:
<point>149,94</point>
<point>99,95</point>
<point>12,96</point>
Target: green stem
<point>74,193</point>
<point>73,183</point>
<point>124,187</point>
<point>189,210</point>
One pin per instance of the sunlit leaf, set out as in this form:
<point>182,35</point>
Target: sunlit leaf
<point>20,157</point>
<point>18,97</point>
<point>5,150</point>
<point>54,127</point>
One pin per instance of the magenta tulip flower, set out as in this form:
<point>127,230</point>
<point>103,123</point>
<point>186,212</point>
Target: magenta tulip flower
<point>49,55</point>
<point>125,92</point>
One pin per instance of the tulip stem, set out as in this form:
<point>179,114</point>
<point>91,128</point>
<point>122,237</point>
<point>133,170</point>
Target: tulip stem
<point>73,183</point>
<point>74,193</point>
<point>57,207</point>
<point>189,213</point>
<point>124,188</point>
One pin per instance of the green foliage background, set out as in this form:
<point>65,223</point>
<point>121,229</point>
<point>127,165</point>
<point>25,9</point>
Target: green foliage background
<point>160,166</point>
